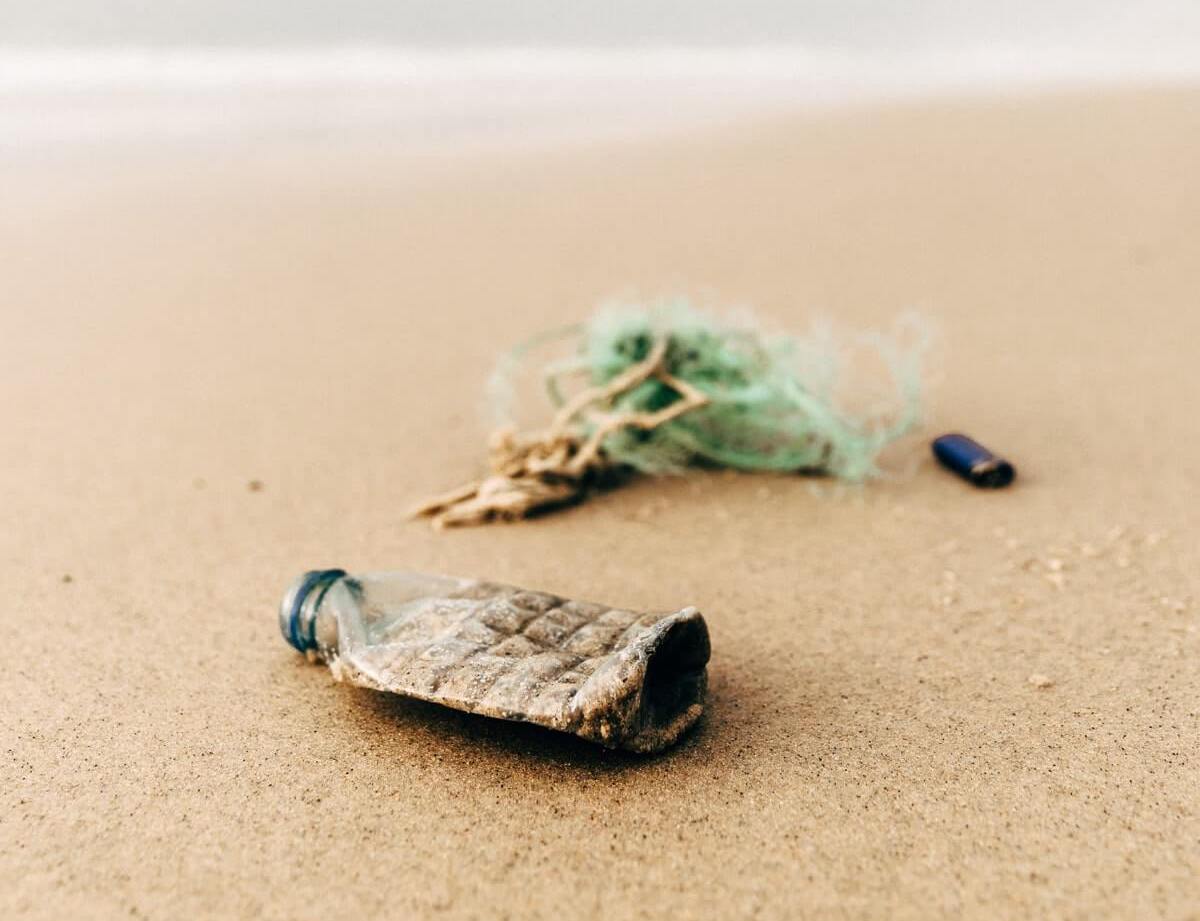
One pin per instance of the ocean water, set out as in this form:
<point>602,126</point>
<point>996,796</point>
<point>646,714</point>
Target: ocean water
<point>864,24</point>
<point>527,71</point>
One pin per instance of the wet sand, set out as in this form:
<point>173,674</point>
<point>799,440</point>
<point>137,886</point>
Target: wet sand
<point>926,700</point>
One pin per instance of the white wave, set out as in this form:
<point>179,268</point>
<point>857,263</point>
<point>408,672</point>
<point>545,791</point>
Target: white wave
<point>56,94</point>
<point>94,69</point>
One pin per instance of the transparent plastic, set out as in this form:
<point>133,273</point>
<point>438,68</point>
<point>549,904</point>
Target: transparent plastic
<point>617,677</point>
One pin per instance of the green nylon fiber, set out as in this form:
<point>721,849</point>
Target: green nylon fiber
<point>772,405</point>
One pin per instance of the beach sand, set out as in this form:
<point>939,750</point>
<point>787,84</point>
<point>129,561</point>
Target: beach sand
<point>926,700</point>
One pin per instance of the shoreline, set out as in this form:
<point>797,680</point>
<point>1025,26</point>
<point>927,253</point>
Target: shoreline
<point>438,99</point>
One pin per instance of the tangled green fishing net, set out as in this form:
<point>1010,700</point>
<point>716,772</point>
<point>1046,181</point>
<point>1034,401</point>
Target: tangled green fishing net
<point>773,399</point>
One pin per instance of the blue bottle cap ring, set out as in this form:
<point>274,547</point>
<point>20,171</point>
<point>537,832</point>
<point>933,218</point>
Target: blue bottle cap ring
<point>297,611</point>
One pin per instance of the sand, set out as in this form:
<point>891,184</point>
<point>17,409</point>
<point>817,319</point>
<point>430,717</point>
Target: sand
<point>926,700</point>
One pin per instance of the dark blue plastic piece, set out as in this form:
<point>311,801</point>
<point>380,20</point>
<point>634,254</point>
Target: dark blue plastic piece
<point>972,461</point>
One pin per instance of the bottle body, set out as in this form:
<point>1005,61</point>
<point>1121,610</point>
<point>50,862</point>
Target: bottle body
<point>617,677</point>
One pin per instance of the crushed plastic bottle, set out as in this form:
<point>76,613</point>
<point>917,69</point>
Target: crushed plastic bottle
<point>616,677</point>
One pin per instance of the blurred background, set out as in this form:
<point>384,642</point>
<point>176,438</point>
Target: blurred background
<point>516,71</point>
